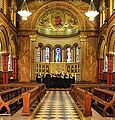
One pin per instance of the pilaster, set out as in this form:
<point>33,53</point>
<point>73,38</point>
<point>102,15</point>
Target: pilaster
<point>110,68</point>
<point>100,68</point>
<point>32,58</point>
<point>83,51</point>
<point>14,67</point>
<point>5,67</point>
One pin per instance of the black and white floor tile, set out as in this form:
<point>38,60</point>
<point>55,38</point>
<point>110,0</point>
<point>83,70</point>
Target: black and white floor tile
<point>57,106</point>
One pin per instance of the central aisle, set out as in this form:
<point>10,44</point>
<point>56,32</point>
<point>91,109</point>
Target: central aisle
<point>57,106</point>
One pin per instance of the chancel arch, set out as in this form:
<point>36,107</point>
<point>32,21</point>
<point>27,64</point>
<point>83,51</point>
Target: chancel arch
<point>60,5</point>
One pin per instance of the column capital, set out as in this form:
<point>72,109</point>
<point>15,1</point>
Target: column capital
<point>110,55</point>
<point>33,38</point>
<point>83,38</point>
<point>5,54</point>
<point>14,58</point>
<point>99,59</point>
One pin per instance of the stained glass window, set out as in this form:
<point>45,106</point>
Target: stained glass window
<point>106,63</point>
<point>58,54</point>
<point>9,62</point>
<point>47,54</point>
<point>68,54</point>
<point>77,54</point>
<point>39,54</point>
<point>10,59</point>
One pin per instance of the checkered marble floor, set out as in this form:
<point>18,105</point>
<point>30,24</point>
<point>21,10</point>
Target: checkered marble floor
<point>57,106</point>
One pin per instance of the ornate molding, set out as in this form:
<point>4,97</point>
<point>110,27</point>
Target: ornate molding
<point>27,32</point>
<point>33,38</point>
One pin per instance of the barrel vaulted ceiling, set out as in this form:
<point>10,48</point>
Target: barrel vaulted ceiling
<point>48,23</point>
<point>96,2</point>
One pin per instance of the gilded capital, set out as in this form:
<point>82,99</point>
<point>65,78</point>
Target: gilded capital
<point>32,38</point>
<point>83,38</point>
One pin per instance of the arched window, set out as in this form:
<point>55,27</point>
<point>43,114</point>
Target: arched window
<point>47,54</point>
<point>58,54</point>
<point>10,59</point>
<point>68,54</point>
<point>105,63</point>
<point>39,54</point>
<point>76,54</point>
<point>9,62</point>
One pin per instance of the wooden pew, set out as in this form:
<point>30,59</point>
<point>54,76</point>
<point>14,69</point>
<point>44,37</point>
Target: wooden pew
<point>31,98</point>
<point>9,100</point>
<point>90,87</point>
<point>83,100</point>
<point>11,95</point>
<point>104,101</point>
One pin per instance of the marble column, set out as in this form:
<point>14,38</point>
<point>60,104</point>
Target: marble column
<point>43,60</point>
<point>62,55</point>
<point>5,67</point>
<point>72,55</point>
<point>110,68</point>
<point>14,67</point>
<point>53,59</point>
<point>32,56</point>
<point>100,68</point>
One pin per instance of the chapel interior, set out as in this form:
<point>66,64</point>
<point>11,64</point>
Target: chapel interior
<point>57,60</point>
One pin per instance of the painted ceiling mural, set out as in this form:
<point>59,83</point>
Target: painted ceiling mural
<point>58,22</point>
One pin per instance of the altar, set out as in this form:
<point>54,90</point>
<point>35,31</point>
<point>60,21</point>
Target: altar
<point>58,67</point>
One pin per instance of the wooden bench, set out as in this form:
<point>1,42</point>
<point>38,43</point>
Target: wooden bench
<point>104,101</point>
<point>83,100</point>
<point>9,100</point>
<point>31,98</point>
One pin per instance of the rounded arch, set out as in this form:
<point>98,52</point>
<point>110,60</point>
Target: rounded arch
<point>14,46</point>
<point>75,45</point>
<point>110,41</point>
<point>58,45</point>
<point>3,42</point>
<point>54,5</point>
<point>101,46</point>
<point>4,38</point>
<point>40,45</point>
<point>67,45</point>
<point>49,45</point>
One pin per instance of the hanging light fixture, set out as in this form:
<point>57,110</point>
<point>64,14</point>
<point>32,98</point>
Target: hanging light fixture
<point>91,13</point>
<point>24,12</point>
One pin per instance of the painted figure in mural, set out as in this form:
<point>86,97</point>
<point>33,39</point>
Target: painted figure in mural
<point>58,20</point>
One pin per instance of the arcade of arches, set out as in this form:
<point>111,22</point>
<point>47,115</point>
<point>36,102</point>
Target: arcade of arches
<point>57,38</point>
